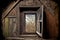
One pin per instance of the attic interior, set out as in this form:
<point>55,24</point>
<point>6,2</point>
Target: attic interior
<point>5,3</point>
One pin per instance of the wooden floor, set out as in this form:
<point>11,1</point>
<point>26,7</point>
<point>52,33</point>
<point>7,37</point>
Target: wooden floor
<point>27,37</point>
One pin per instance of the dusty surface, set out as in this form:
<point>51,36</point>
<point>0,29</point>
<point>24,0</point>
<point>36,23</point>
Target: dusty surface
<point>25,37</point>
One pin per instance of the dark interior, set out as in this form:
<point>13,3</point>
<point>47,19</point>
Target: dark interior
<point>3,5</point>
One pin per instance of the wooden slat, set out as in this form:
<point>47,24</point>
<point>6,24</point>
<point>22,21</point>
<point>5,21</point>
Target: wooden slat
<point>14,38</point>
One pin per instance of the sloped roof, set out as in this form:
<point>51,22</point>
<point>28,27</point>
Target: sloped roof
<point>9,8</point>
<point>13,4</point>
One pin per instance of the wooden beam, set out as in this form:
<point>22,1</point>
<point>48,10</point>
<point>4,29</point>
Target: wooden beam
<point>10,7</point>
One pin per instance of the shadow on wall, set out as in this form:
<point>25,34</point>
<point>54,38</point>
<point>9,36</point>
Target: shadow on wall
<point>1,33</point>
<point>3,5</point>
<point>45,33</point>
<point>58,2</point>
<point>59,23</point>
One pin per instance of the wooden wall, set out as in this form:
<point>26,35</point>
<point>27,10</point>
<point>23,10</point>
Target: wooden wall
<point>5,22</point>
<point>52,23</point>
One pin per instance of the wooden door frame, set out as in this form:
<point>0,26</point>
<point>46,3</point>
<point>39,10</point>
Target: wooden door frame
<point>18,17</point>
<point>28,12</point>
